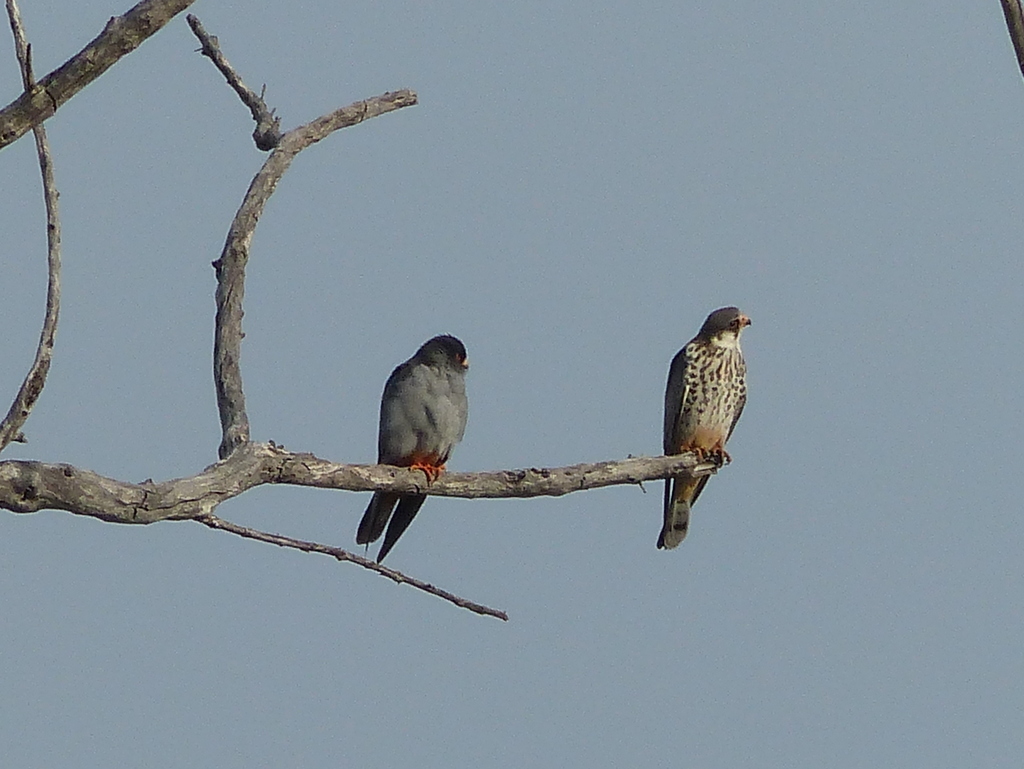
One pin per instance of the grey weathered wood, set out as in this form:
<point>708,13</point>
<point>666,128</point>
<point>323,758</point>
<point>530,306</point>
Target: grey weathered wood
<point>230,266</point>
<point>267,133</point>
<point>343,555</point>
<point>28,486</point>
<point>120,36</point>
<point>32,386</point>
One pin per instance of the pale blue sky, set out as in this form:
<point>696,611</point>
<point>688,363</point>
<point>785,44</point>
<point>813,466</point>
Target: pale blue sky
<point>578,187</point>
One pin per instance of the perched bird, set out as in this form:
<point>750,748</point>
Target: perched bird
<point>422,416</point>
<point>706,391</point>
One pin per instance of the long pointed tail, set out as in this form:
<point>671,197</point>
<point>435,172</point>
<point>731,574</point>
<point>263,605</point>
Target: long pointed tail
<point>406,511</point>
<point>679,495</point>
<point>376,517</point>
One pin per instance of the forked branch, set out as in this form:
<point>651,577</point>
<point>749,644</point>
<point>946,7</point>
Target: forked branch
<point>27,487</point>
<point>230,267</point>
<point>233,259</point>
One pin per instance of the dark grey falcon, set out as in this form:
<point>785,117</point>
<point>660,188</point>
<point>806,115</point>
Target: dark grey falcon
<point>705,395</point>
<point>423,415</point>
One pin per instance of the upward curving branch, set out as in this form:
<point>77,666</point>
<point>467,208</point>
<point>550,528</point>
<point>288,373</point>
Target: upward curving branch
<point>230,267</point>
<point>10,427</point>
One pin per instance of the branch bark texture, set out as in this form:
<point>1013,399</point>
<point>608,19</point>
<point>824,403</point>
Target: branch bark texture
<point>28,486</point>
<point>230,267</point>
<point>121,36</point>
<point>32,386</point>
<point>267,133</point>
<point>342,555</point>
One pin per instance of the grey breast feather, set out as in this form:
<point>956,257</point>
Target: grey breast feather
<point>423,410</point>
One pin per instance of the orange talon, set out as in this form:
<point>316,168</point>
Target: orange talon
<point>433,472</point>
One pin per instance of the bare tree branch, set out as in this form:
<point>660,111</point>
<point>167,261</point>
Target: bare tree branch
<point>121,36</point>
<point>10,428</point>
<point>28,486</point>
<point>267,133</point>
<point>342,555</point>
<point>1015,25</point>
<point>230,267</point>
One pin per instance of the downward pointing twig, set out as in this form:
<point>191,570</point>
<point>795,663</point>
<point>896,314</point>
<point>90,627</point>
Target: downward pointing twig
<point>343,555</point>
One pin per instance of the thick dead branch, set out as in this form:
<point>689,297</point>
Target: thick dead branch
<point>343,555</point>
<point>1015,25</point>
<point>121,36</point>
<point>27,486</point>
<point>10,428</point>
<point>267,133</point>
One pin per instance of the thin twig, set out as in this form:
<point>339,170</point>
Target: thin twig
<point>267,133</point>
<point>1015,25</point>
<point>10,428</point>
<point>343,555</point>
<point>120,36</point>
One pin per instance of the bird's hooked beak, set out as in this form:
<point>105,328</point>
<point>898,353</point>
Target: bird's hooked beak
<point>465,361</point>
<point>744,321</point>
